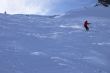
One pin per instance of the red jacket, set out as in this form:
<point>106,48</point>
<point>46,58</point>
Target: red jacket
<point>86,23</point>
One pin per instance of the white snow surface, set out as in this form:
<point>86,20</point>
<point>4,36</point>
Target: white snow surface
<point>49,44</point>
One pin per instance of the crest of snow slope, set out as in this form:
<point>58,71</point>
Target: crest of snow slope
<point>47,44</point>
<point>91,11</point>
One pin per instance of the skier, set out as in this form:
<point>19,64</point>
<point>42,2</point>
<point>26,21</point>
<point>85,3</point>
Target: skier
<point>86,25</point>
<point>5,12</point>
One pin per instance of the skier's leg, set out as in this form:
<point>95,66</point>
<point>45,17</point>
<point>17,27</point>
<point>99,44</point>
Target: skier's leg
<point>87,28</point>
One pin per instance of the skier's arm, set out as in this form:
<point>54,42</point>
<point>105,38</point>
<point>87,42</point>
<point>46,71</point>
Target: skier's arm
<point>88,23</point>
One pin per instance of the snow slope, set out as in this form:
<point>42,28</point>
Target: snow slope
<point>56,44</point>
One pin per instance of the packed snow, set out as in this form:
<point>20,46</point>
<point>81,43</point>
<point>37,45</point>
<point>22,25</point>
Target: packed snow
<point>56,44</point>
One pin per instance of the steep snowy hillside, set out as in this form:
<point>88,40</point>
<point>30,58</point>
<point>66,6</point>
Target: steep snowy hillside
<point>49,44</point>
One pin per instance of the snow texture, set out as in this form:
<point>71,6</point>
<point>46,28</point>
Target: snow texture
<point>56,44</point>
